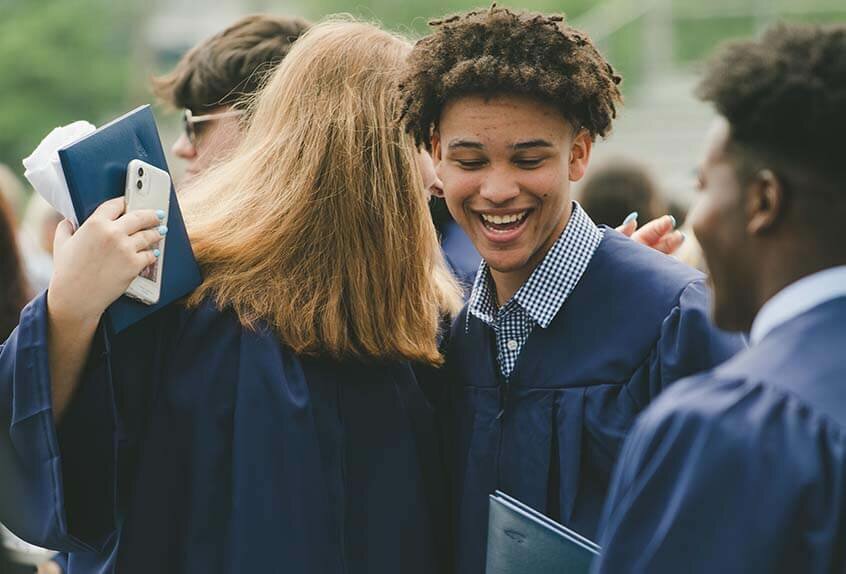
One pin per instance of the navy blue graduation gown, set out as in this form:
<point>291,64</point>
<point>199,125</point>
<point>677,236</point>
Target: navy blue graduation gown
<point>742,469</point>
<point>549,435</point>
<point>194,445</point>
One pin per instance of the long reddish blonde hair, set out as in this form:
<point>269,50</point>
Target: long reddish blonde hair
<point>318,223</point>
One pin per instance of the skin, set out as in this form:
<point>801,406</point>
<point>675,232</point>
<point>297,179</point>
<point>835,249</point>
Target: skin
<point>215,138</point>
<point>510,155</point>
<point>754,243</point>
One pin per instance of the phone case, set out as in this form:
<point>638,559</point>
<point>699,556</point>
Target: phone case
<point>148,187</point>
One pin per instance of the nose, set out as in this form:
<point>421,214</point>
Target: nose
<point>498,188</point>
<point>183,148</point>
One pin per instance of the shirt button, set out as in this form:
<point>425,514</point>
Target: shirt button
<point>512,345</point>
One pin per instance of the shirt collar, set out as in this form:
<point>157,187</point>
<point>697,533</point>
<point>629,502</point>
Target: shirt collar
<point>797,298</point>
<point>549,285</point>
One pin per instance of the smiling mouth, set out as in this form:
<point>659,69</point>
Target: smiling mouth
<point>503,223</point>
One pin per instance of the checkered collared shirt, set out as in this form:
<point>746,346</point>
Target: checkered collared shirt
<point>542,295</point>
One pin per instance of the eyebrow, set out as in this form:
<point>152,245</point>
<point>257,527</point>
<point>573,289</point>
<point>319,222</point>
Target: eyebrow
<point>468,144</point>
<point>531,144</point>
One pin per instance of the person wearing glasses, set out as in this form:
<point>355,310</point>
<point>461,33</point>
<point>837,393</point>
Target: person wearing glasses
<point>216,75</point>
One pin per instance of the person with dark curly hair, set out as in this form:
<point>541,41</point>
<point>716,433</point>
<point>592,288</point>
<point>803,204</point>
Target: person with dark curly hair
<point>571,329</point>
<point>743,469</point>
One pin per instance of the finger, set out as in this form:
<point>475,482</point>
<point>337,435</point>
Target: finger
<point>628,228</point>
<point>111,209</point>
<point>135,221</point>
<point>63,232</point>
<point>146,239</point>
<point>670,242</point>
<point>146,258</point>
<point>651,233</point>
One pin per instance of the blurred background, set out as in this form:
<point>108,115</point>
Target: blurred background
<point>64,60</point>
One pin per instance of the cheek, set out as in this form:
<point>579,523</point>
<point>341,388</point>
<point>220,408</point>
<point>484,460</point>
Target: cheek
<point>705,218</point>
<point>458,185</point>
<point>549,184</point>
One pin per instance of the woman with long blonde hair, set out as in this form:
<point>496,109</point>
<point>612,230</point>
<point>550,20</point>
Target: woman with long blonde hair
<point>273,421</point>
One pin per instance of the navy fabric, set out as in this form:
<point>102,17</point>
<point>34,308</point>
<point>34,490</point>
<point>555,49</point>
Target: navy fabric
<point>742,469</point>
<point>460,254</point>
<point>197,446</point>
<point>549,435</point>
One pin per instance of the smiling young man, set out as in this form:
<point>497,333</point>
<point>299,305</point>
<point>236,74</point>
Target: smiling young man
<point>743,469</point>
<point>571,329</point>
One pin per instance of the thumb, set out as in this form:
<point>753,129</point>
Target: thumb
<point>63,232</point>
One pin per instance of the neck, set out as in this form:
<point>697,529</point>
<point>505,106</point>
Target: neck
<point>780,270</point>
<point>507,283</point>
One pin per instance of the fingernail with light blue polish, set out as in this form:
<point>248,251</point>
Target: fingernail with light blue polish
<point>156,252</point>
<point>683,236</point>
<point>162,230</point>
<point>160,214</point>
<point>630,217</point>
<point>673,221</point>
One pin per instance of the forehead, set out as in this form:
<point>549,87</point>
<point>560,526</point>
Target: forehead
<point>505,118</point>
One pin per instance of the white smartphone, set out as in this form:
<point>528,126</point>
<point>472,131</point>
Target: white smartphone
<point>148,187</point>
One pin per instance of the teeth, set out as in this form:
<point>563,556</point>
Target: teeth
<point>503,219</point>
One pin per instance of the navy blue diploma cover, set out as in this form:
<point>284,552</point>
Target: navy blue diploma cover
<point>521,540</point>
<point>95,170</point>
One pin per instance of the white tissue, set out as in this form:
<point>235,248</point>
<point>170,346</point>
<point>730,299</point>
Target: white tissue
<point>44,170</point>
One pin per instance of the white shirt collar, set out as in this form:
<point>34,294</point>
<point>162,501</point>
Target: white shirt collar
<point>797,298</point>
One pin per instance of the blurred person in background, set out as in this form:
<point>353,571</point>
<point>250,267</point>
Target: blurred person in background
<point>743,468</point>
<point>213,81</point>
<point>13,192</point>
<point>619,188</point>
<point>36,241</point>
<point>14,288</point>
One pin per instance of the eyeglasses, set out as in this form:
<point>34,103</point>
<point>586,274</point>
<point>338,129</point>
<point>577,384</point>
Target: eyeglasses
<point>189,121</point>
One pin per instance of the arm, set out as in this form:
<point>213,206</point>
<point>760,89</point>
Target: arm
<point>58,487</point>
<point>93,267</point>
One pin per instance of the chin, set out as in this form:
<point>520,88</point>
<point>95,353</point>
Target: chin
<point>505,263</point>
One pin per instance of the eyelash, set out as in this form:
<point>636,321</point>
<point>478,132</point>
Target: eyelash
<point>470,164</point>
<point>529,163</point>
<point>523,163</point>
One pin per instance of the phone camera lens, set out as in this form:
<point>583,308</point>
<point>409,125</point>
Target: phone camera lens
<point>139,185</point>
<point>140,172</point>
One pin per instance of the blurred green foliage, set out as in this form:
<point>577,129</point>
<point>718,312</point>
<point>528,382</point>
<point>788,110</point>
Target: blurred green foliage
<point>60,61</point>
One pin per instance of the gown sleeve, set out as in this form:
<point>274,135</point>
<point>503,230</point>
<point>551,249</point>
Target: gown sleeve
<point>65,479</point>
<point>704,485</point>
<point>688,344</point>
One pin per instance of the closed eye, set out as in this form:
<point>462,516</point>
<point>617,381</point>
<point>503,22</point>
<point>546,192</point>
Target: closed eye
<point>470,164</point>
<point>529,162</point>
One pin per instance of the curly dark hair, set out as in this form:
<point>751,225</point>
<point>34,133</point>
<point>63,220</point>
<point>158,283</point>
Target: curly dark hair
<point>499,51</point>
<point>784,96</point>
<point>231,65</point>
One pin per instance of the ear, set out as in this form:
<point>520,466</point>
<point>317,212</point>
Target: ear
<point>765,203</point>
<point>580,154</point>
<point>436,146</point>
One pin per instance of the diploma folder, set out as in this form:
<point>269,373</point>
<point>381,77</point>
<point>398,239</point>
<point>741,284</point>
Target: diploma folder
<point>95,170</point>
<point>521,540</point>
